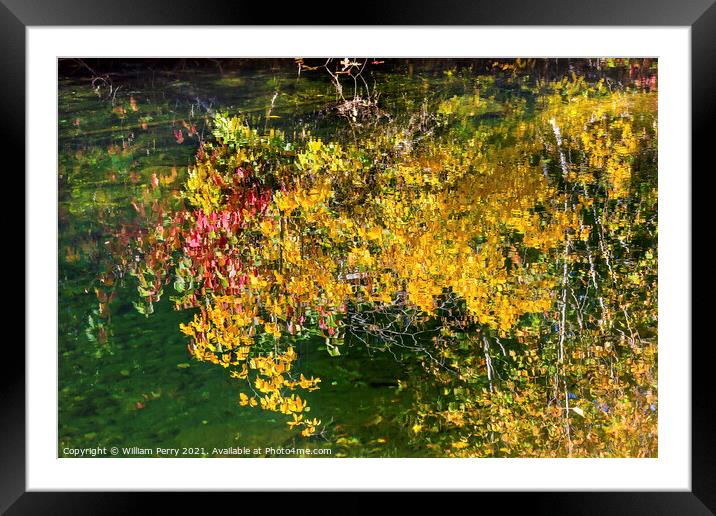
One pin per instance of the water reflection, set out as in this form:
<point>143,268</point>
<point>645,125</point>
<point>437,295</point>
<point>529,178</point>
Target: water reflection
<point>469,252</point>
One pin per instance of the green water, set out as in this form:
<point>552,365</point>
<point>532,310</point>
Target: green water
<point>126,380</point>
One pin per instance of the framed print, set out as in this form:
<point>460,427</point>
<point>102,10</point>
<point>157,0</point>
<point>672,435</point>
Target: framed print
<point>460,261</point>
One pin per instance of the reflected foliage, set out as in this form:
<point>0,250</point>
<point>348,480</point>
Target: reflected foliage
<point>497,237</point>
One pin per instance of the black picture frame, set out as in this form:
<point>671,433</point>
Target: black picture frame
<point>699,15</point>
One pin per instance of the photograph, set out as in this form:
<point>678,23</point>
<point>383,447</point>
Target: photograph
<point>357,257</point>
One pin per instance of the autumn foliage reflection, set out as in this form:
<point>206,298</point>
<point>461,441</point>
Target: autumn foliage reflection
<point>516,261</point>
